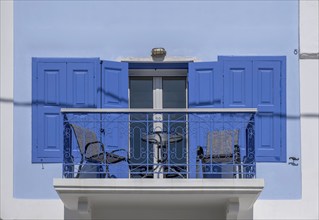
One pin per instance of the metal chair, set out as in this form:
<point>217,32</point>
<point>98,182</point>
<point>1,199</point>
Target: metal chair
<point>94,159</point>
<point>221,159</point>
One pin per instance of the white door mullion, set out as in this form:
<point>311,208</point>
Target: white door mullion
<point>158,118</point>
<point>157,92</point>
<point>157,102</point>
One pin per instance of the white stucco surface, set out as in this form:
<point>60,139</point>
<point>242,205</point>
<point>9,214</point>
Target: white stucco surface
<point>11,208</point>
<point>307,207</point>
<point>160,198</point>
<point>309,27</point>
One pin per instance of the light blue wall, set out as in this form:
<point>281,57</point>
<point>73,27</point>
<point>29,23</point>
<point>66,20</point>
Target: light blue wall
<point>110,29</point>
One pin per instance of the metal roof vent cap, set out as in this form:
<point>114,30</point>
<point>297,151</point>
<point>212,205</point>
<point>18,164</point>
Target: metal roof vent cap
<point>158,53</point>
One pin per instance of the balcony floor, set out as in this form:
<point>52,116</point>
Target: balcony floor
<point>160,198</point>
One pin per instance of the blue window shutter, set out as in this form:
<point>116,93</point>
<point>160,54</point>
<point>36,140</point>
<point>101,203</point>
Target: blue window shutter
<point>238,92</point>
<point>261,87</point>
<point>58,83</point>
<point>205,85</point>
<point>82,84</point>
<point>114,84</point>
<point>205,90</point>
<point>49,84</point>
<point>114,93</point>
<point>82,81</point>
<point>238,85</point>
<point>267,98</point>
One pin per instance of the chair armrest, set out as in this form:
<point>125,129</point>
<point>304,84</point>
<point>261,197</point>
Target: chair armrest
<point>122,149</point>
<point>94,142</point>
<point>200,152</point>
<point>119,157</point>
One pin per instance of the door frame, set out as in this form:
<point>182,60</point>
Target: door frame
<point>157,76</point>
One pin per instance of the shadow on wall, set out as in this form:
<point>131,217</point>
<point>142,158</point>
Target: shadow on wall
<point>26,104</point>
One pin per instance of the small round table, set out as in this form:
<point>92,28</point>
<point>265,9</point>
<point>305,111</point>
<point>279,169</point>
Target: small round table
<point>161,140</point>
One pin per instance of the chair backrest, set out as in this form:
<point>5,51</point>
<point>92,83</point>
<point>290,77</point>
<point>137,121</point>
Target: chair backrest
<point>221,142</point>
<point>85,136</point>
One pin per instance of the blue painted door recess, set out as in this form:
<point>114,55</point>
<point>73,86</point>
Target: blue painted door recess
<point>114,94</point>
<point>58,83</point>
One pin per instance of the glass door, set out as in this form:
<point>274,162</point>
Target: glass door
<point>158,92</point>
<point>141,158</point>
<point>174,96</point>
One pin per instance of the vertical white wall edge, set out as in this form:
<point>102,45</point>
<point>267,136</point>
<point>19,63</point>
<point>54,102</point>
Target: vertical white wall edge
<point>11,208</point>
<point>307,206</point>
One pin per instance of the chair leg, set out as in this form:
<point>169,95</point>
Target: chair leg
<point>79,171</point>
<point>199,168</point>
<point>107,171</point>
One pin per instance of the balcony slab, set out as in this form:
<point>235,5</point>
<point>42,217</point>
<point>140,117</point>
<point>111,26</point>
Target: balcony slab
<point>159,198</point>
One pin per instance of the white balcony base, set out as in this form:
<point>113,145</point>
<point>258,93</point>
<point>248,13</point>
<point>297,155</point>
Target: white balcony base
<point>158,198</point>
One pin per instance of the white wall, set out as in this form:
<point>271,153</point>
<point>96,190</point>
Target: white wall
<point>308,26</point>
<point>11,208</point>
<point>307,207</point>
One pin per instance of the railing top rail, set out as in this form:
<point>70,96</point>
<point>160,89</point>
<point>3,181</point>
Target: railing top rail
<point>149,110</point>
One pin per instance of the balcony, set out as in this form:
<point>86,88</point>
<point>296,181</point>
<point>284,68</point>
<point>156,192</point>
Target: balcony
<point>164,156</point>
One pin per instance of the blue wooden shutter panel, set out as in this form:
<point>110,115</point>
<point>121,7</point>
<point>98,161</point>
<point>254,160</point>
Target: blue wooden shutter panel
<point>81,78</point>
<point>205,90</point>
<point>205,85</point>
<point>258,85</point>
<point>82,90</point>
<point>58,84</point>
<point>251,82</point>
<point>238,84</point>
<point>114,90</point>
<point>267,98</point>
<point>114,94</point>
<point>238,93</point>
<point>50,95</point>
